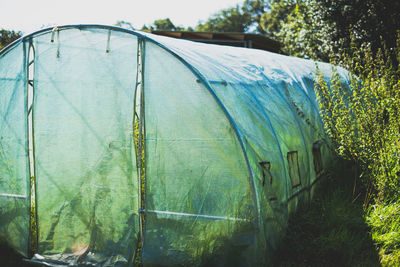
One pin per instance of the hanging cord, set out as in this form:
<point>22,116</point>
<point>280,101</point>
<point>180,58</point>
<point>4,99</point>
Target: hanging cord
<point>56,29</point>
<point>108,49</point>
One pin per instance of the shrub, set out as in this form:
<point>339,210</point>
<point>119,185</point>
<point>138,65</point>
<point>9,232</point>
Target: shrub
<point>363,121</point>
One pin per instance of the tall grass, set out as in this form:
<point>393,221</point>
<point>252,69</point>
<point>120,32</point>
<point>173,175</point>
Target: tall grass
<point>384,221</point>
<point>331,230</point>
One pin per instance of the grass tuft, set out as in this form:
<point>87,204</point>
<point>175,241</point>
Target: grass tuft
<point>384,221</point>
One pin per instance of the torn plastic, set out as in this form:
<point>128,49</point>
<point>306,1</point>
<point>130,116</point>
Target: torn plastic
<point>82,258</point>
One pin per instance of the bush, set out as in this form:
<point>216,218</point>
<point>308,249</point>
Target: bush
<point>363,121</point>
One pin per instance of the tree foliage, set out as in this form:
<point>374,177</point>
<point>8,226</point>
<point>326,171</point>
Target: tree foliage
<point>163,25</point>
<point>7,36</point>
<point>256,10</point>
<point>324,30</point>
<point>277,13</point>
<point>319,29</point>
<point>124,24</point>
<point>358,21</point>
<point>234,19</point>
<point>256,16</point>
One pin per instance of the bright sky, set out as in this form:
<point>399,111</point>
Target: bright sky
<point>32,15</point>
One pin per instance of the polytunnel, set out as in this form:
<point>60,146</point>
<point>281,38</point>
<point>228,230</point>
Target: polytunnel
<point>120,147</point>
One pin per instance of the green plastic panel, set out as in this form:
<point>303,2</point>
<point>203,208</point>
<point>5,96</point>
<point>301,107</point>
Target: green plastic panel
<point>199,198</point>
<point>14,174</point>
<point>85,160</point>
<point>271,100</point>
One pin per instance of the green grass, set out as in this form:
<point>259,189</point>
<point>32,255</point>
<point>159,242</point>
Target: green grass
<point>384,221</point>
<point>331,230</point>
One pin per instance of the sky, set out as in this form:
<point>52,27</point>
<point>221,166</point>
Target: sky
<point>31,15</point>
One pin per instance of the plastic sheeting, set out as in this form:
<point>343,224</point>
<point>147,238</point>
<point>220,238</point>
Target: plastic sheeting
<point>198,190</point>
<point>14,174</point>
<point>230,140</point>
<point>272,104</point>
<point>83,143</point>
<point>84,154</point>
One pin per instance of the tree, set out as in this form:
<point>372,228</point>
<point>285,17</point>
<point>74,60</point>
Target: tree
<point>124,24</point>
<point>368,21</point>
<point>300,34</point>
<point>163,25</point>
<point>7,36</point>
<point>234,19</point>
<point>322,29</point>
<point>277,12</point>
<point>256,9</point>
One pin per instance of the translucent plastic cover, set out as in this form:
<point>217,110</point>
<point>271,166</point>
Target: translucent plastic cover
<point>198,190</point>
<point>14,174</point>
<point>271,101</point>
<point>228,140</point>
<point>85,161</point>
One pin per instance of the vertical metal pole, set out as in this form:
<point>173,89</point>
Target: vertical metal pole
<point>139,146</point>
<point>142,147</point>
<point>30,72</point>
